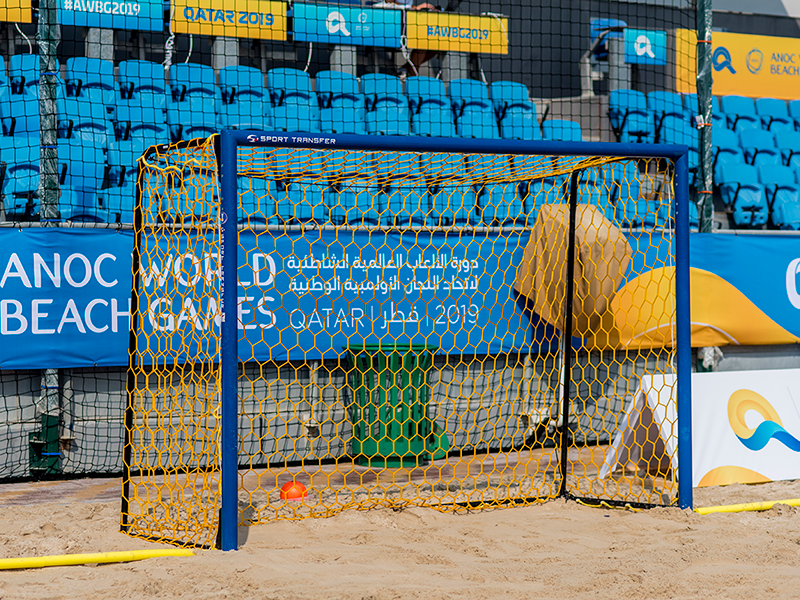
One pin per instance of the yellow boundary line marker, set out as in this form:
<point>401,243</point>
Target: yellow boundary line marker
<point>749,506</point>
<point>60,560</point>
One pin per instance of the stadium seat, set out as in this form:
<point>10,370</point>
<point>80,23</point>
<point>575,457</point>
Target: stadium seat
<point>397,168</point>
<point>426,93</point>
<point>5,89</point>
<point>405,205</point>
<point>726,146</point>
<point>759,147</point>
<point>342,120</point>
<point>678,130</point>
<point>691,107</point>
<point>144,82</point>
<point>777,178</point>
<point>336,89</point>
<point>452,198</point>
<point>774,114</point>
<point>301,202</point>
<point>292,163</point>
<point>23,74</point>
<point>122,158</point>
<point>385,120</point>
<point>19,181</point>
<point>788,142</point>
<point>468,95</point>
<point>433,122</point>
<point>477,124</point>
<point>597,187</point>
<point>134,121</point>
<point>631,208</point>
<point>663,105</point>
<point>86,120</point>
<point>355,203</point>
<point>562,130</point>
<point>92,79</point>
<point>786,210</point>
<point>794,112</point>
<point>192,118</point>
<point>342,164</point>
<point>741,191</point>
<point>20,116</point>
<point>242,83</point>
<point>740,113</point>
<point>82,168</point>
<point>498,204</point>
<point>486,167</point>
<point>295,117</point>
<point>257,198</point>
<point>192,80</point>
<point>382,91</point>
<point>248,112</point>
<point>520,126</point>
<point>630,118</point>
<point>288,86</point>
<point>598,26</point>
<point>510,96</point>
<point>117,203</point>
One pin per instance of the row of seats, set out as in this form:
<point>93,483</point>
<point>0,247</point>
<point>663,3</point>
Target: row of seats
<point>761,194</point>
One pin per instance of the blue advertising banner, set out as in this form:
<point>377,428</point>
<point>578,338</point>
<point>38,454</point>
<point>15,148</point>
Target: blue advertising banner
<point>140,15</point>
<point>645,47</point>
<point>308,295</point>
<point>336,24</point>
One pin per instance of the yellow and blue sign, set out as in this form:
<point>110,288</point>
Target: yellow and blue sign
<point>140,15</point>
<point>645,47</point>
<point>457,33</point>
<point>745,65</point>
<point>335,24</point>
<point>15,11</point>
<point>259,19</point>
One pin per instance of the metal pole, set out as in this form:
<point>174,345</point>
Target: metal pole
<point>567,333</point>
<point>49,36</point>
<point>229,356</point>
<point>684,332</point>
<point>704,91</point>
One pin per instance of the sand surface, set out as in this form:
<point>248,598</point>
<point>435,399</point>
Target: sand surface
<point>555,550</point>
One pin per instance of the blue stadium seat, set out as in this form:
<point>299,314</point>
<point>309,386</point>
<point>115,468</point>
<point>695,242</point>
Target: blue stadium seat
<point>134,121</point>
<point>794,112</point>
<point>597,187</point>
<point>23,74</point>
<point>452,198</point>
<point>336,89</point>
<point>118,203</point>
<point>477,124</point>
<point>143,81</point>
<point>290,86</point>
<point>444,169</point>
<point>774,114</point>
<point>775,178</point>
<point>598,26</point>
<point>489,167</point>
<point>405,205</point>
<point>19,181</point>
<point>192,118</point>
<point>562,130</point>
<point>678,130</point>
<point>433,122</point>
<point>82,168</point>
<point>191,80</point>
<point>257,199</point>
<point>400,168</point>
<point>467,95</point>
<point>726,146</point>
<point>691,107</point>
<point>191,197</point>
<point>788,142</point>
<point>383,91</point>
<point>5,89</point>
<point>122,158</point>
<point>759,147</point>
<point>498,204</point>
<point>342,120</point>
<point>510,96</point>
<point>426,92</point>
<point>740,190</point>
<point>92,79</point>
<point>342,164</point>
<point>630,118</point>
<point>520,126</point>
<point>20,116</point>
<point>786,210</point>
<point>631,208</point>
<point>301,202</point>
<point>86,120</point>
<point>355,203</point>
<point>663,105</point>
<point>242,83</point>
<point>248,112</point>
<point>295,117</point>
<point>740,113</point>
<point>292,163</point>
<point>385,120</point>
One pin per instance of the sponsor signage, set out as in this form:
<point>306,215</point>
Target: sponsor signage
<point>336,24</point>
<point>140,15</point>
<point>15,11</point>
<point>457,33</point>
<point>745,65</point>
<point>256,19</point>
<point>645,47</point>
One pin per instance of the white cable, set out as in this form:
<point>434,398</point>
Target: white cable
<point>404,46</point>
<point>310,52</point>
<point>25,37</point>
<point>191,47</point>
<point>169,45</point>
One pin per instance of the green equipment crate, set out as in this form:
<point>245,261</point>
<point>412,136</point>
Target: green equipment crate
<point>391,427</point>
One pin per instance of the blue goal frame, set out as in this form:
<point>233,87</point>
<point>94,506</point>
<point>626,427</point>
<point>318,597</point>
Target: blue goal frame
<point>229,141</point>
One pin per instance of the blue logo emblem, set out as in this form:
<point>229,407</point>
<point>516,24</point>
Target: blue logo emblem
<point>336,24</point>
<point>725,63</point>
<point>645,47</point>
<point>754,60</point>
